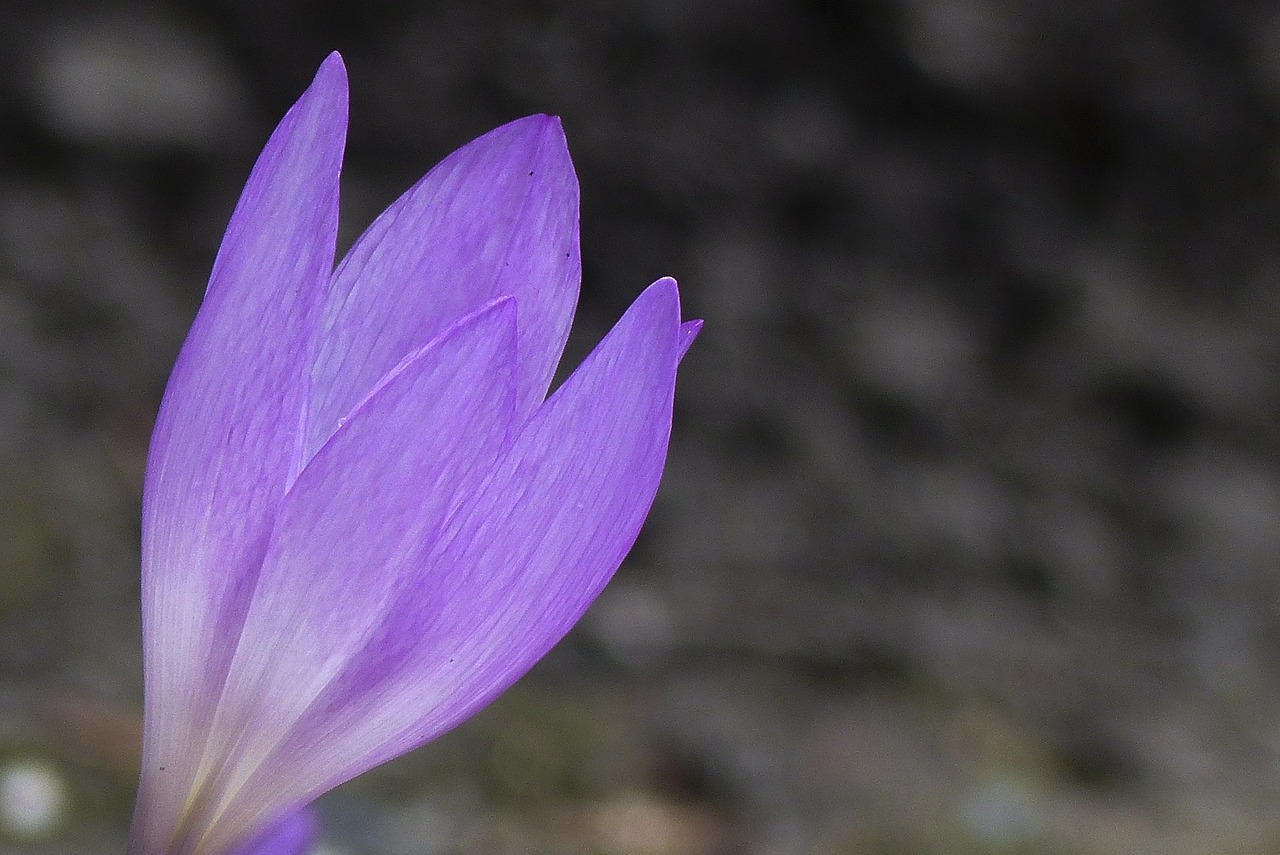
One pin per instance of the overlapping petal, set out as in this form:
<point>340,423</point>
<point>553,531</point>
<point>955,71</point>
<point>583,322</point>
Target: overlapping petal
<point>228,438</point>
<point>511,570</point>
<point>363,518</point>
<point>293,835</point>
<point>346,545</point>
<point>497,217</point>
<point>521,560</point>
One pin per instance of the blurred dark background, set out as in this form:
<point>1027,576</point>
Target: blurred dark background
<point>968,540</point>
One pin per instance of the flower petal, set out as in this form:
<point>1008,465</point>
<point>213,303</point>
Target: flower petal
<point>497,217</point>
<point>227,438</point>
<point>688,332</point>
<point>295,834</point>
<point>514,567</point>
<point>350,532</point>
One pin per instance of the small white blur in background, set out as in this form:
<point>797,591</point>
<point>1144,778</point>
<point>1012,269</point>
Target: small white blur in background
<point>33,799</point>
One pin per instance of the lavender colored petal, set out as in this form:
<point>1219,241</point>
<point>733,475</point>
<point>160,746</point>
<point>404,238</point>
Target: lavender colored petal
<point>497,217</point>
<point>227,439</point>
<point>688,332</point>
<point>295,834</point>
<point>514,567</point>
<point>344,550</point>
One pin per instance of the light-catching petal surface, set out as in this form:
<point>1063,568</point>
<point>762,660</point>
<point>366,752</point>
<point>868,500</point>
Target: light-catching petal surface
<point>497,217</point>
<point>345,550</point>
<point>227,439</point>
<point>363,519</point>
<point>513,567</point>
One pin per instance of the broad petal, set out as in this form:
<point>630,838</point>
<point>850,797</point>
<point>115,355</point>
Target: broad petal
<point>227,438</point>
<point>348,535</point>
<point>295,834</point>
<point>515,566</point>
<point>497,217</point>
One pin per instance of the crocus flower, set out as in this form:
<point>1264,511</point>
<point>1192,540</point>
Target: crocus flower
<point>363,517</point>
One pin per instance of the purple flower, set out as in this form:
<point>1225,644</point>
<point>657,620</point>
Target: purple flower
<point>363,517</point>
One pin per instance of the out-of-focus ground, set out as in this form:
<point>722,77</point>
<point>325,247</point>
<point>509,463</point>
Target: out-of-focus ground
<point>970,536</point>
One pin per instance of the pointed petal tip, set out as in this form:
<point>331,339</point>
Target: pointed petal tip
<point>664,293</point>
<point>688,332</point>
<point>500,312</point>
<point>552,124</point>
<point>667,290</point>
<point>539,128</point>
<point>666,284</point>
<point>332,75</point>
<point>505,308</point>
<point>541,122</point>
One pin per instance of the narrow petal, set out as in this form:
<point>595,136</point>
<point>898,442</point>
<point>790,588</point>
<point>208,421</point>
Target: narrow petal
<point>688,332</point>
<point>348,533</point>
<point>497,217</point>
<point>227,438</point>
<point>514,567</point>
<point>293,835</point>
